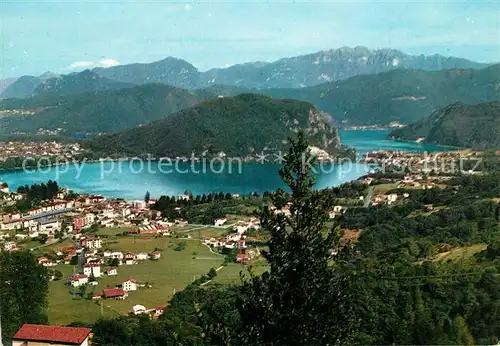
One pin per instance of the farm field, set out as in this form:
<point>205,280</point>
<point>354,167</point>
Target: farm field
<point>460,253</point>
<point>205,232</point>
<point>230,274</point>
<point>172,272</point>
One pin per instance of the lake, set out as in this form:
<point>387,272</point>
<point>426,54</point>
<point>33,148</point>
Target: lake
<point>131,180</point>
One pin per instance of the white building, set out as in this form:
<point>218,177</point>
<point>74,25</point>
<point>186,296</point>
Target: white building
<point>112,271</point>
<point>47,226</point>
<point>233,237</point>
<point>392,197</point>
<point>139,204</point>
<point>220,221</point>
<point>129,284</point>
<point>113,254</point>
<point>79,280</point>
<point>338,209</point>
<point>10,246</point>
<point>142,256</point>
<point>138,309</point>
<point>92,243</point>
<point>92,269</point>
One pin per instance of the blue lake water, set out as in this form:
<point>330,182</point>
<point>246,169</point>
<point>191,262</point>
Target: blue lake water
<point>131,180</point>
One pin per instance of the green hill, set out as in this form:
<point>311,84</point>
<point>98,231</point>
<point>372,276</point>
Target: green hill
<point>236,126</point>
<point>96,112</point>
<point>474,126</point>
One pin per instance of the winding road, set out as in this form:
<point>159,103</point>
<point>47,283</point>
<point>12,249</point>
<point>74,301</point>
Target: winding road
<point>369,196</point>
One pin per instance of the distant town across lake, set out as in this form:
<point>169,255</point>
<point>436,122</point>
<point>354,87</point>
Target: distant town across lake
<point>130,182</point>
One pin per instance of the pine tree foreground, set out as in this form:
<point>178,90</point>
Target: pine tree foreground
<point>302,299</point>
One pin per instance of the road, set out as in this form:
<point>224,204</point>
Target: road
<point>369,196</point>
<point>51,243</point>
<point>200,226</point>
<point>49,213</point>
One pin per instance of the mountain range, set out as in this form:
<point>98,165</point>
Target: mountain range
<point>76,83</point>
<point>242,125</point>
<point>471,126</point>
<point>294,72</point>
<point>404,96</point>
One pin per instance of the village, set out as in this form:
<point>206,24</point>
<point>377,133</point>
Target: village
<point>102,249</point>
<point>447,162</point>
<point>22,149</point>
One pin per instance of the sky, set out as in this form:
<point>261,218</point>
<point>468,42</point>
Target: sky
<point>68,36</point>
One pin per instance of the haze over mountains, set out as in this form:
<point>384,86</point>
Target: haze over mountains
<point>399,95</point>
<point>294,72</point>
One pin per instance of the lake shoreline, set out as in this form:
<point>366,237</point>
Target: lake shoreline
<point>105,178</point>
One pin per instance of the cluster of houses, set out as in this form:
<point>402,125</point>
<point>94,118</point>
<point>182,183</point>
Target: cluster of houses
<point>235,239</point>
<point>76,214</point>
<point>388,199</point>
<point>286,210</point>
<point>153,313</point>
<point>417,162</point>
<point>38,149</point>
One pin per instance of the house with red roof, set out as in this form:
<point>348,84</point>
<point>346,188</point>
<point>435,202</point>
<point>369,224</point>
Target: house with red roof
<point>129,284</point>
<point>79,279</point>
<point>45,335</point>
<point>115,293</point>
<point>242,258</point>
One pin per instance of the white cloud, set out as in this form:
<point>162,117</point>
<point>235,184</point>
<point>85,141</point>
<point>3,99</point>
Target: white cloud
<point>107,62</point>
<point>187,7</point>
<point>78,65</point>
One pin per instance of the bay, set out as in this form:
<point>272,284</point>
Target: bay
<point>131,180</point>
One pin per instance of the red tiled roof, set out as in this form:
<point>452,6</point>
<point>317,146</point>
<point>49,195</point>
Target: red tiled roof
<point>129,279</point>
<point>113,292</point>
<point>67,335</point>
<point>163,307</point>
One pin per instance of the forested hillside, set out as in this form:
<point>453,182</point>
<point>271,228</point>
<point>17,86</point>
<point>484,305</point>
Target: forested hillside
<point>236,126</point>
<point>96,112</point>
<point>404,96</point>
<point>473,126</point>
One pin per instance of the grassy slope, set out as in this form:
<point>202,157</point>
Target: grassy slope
<point>174,270</point>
